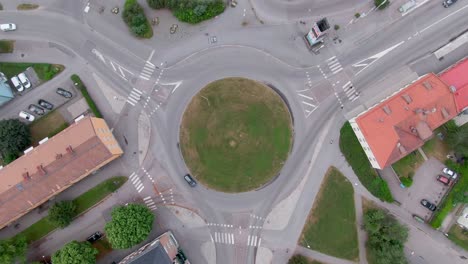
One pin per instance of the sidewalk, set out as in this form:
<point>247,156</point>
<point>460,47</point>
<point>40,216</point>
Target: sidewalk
<point>315,255</point>
<point>362,235</point>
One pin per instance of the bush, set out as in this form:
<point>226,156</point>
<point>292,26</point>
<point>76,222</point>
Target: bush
<point>192,12</point>
<point>134,16</point>
<point>92,105</point>
<point>381,4</point>
<point>62,213</point>
<point>15,137</point>
<point>356,157</point>
<point>13,250</point>
<point>76,253</point>
<point>337,27</point>
<point>406,181</point>
<point>298,259</point>
<point>357,15</point>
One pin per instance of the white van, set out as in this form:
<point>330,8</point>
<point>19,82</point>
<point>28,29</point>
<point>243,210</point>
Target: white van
<point>16,83</point>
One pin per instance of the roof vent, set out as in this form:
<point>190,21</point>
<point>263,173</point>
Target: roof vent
<point>427,85</point>
<point>407,98</point>
<point>69,149</point>
<point>41,170</point>
<point>58,156</point>
<point>418,110</point>
<point>381,120</point>
<point>387,110</point>
<point>445,113</point>
<point>413,130</point>
<point>401,148</point>
<point>26,176</point>
<point>452,88</point>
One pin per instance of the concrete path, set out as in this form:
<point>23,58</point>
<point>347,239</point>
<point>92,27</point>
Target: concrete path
<point>315,255</point>
<point>362,236</point>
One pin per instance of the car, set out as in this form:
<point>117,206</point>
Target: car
<point>428,205</point>
<point>8,27</point>
<point>64,93</point>
<point>443,179</point>
<point>449,172</point>
<point>94,237</point>
<point>45,104</point>
<point>448,3</point>
<point>24,80</point>
<point>16,83</point>
<point>27,116</point>
<point>36,109</point>
<point>190,180</point>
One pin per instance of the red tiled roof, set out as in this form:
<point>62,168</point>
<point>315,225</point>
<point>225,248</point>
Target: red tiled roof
<point>457,76</point>
<point>401,123</point>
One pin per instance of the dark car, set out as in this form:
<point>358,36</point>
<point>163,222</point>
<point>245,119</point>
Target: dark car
<point>45,104</point>
<point>428,205</point>
<point>94,237</point>
<point>36,109</point>
<point>64,93</point>
<point>443,179</point>
<point>448,3</point>
<point>190,180</point>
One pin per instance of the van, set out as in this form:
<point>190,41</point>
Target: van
<point>443,179</point>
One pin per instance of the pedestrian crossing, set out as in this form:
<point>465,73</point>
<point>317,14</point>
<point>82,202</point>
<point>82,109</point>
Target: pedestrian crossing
<point>253,241</point>
<point>136,182</point>
<point>350,91</point>
<point>334,65</point>
<point>134,96</point>
<point>150,203</point>
<point>147,71</point>
<point>224,238</point>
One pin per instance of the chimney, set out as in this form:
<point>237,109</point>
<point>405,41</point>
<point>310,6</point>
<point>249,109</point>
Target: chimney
<point>427,85</point>
<point>452,88</point>
<point>41,170</point>
<point>69,149</point>
<point>26,176</point>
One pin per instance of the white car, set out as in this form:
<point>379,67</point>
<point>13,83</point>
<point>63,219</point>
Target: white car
<point>16,83</point>
<point>24,80</point>
<point>449,172</point>
<point>8,27</point>
<point>26,116</point>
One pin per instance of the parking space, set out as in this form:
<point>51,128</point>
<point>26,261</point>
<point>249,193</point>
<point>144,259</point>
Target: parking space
<point>425,186</point>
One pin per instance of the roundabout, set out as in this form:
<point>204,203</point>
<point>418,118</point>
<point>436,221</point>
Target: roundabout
<point>235,135</point>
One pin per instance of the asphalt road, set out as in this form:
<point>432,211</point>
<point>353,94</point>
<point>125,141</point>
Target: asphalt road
<point>169,73</point>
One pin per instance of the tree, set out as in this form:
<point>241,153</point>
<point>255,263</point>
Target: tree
<point>75,253</point>
<point>298,259</point>
<point>15,137</point>
<point>13,250</point>
<point>457,137</point>
<point>386,237</point>
<point>129,226</point>
<point>62,213</point>
<point>156,4</point>
<point>381,4</point>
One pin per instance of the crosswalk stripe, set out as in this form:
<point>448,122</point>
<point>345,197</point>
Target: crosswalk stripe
<point>305,96</point>
<point>248,241</point>
<point>216,236</point>
<point>153,207</point>
<point>333,64</point>
<point>144,78</point>
<point>130,103</point>
<point>259,241</point>
<point>335,67</point>
<point>141,189</point>
<point>132,175</point>
<point>308,104</point>
<point>346,84</point>
<point>132,100</point>
<point>147,71</point>
<point>232,238</point>
<point>135,96</point>
<point>139,185</point>
<point>135,180</point>
<point>255,241</point>
<point>150,203</point>
<point>147,198</point>
<point>136,90</point>
<point>329,59</point>
<point>350,91</point>
<point>149,64</point>
<point>337,71</point>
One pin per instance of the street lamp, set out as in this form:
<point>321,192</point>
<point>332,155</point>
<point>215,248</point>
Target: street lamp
<point>306,242</point>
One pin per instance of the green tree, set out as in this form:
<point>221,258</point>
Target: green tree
<point>134,16</point>
<point>75,253</point>
<point>129,226</point>
<point>156,4</point>
<point>386,237</point>
<point>13,250</point>
<point>381,4</point>
<point>62,213</point>
<point>457,138</point>
<point>15,137</point>
<point>298,259</point>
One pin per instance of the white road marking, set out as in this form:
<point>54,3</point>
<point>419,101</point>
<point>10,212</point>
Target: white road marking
<point>346,84</point>
<point>147,198</point>
<point>113,67</point>
<point>308,105</point>
<point>150,56</point>
<point>375,57</point>
<point>141,189</point>
<point>442,19</point>
<point>121,72</point>
<point>248,241</point>
<point>337,71</point>
<point>139,185</point>
<point>130,103</point>
<point>331,58</point>
<point>132,175</point>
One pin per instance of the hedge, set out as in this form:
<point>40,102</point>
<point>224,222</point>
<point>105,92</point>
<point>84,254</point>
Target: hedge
<point>192,12</point>
<point>84,91</point>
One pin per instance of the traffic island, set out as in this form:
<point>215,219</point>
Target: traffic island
<point>236,135</point>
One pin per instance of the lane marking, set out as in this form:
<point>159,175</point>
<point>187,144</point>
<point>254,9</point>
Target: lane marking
<point>331,58</point>
<point>442,19</point>
<point>151,55</point>
<point>375,58</point>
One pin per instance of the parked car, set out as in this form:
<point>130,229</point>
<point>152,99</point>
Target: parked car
<point>45,104</point>
<point>450,173</point>
<point>448,3</point>
<point>190,180</point>
<point>428,205</point>
<point>94,237</point>
<point>26,116</point>
<point>443,179</point>
<point>8,27</point>
<point>24,80</point>
<point>64,93</point>
<point>16,83</point>
<point>36,109</point>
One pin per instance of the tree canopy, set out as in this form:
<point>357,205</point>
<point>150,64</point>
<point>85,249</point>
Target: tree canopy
<point>134,16</point>
<point>457,137</point>
<point>386,237</point>
<point>298,259</point>
<point>15,137</point>
<point>13,250</point>
<point>62,213</point>
<point>190,11</point>
<point>75,253</point>
<point>130,225</point>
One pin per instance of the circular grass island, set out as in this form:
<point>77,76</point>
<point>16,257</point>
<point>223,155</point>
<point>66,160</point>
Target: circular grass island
<point>235,135</point>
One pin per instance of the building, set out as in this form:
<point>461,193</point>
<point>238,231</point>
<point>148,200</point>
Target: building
<point>162,250</point>
<point>5,91</point>
<point>457,77</point>
<point>401,123</point>
<point>53,166</point>
<point>462,220</point>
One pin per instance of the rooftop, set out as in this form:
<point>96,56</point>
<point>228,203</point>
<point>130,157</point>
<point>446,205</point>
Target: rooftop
<point>404,121</point>
<point>53,166</point>
<point>162,250</point>
<point>457,76</point>
<point>463,219</point>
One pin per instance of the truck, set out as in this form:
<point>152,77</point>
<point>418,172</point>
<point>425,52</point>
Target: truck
<point>314,38</point>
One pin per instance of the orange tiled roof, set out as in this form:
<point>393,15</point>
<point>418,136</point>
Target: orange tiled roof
<point>401,123</point>
<point>457,76</point>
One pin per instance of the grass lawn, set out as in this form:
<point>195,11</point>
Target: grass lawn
<point>83,202</point>
<point>47,126</point>
<point>236,135</point>
<point>436,148</point>
<point>331,225</point>
<point>45,71</point>
<point>356,157</point>
<point>406,166</point>
<point>459,236</point>
<point>7,46</point>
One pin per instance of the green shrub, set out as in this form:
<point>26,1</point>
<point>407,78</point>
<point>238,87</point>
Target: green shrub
<point>62,213</point>
<point>380,3</point>
<point>134,16</point>
<point>7,46</point>
<point>92,105</point>
<point>356,157</point>
<point>192,12</point>
<point>406,181</point>
<point>336,27</point>
<point>357,15</point>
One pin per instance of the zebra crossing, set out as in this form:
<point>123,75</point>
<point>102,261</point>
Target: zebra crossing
<point>224,238</point>
<point>136,182</point>
<point>134,96</point>
<point>147,71</point>
<point>150,203</point>
<point>350,91</point>
<point>334,65</point>
<point>253,241</point>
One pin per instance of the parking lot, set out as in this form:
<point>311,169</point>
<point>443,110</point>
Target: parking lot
<point>425,186</point>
